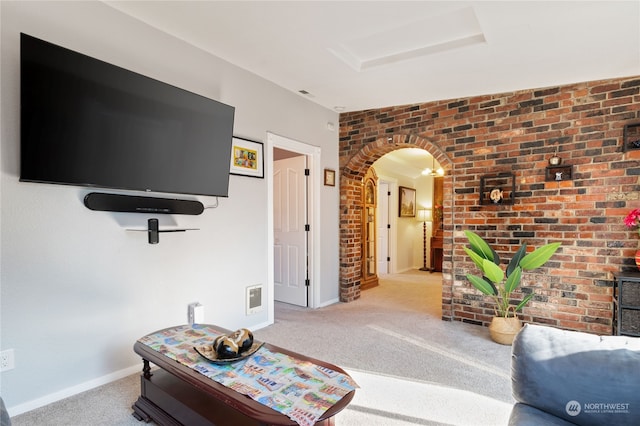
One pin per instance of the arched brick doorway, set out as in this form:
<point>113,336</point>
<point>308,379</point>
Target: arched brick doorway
<point>351,177</point>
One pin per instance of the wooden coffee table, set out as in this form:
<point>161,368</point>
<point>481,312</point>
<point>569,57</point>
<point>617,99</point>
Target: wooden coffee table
<point>174,394</point>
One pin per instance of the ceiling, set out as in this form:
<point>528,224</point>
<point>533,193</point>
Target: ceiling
<point>357,55</point>
<point>409,162</point>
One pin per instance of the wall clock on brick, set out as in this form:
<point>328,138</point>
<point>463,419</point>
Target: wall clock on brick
<point>497,189</point>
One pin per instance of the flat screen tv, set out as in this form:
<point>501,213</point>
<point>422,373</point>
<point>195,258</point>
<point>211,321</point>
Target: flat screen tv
<point>89,123</point>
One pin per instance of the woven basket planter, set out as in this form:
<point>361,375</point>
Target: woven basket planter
<point>503,330</point>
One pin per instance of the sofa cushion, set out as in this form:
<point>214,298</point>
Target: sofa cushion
<point>582,378</point>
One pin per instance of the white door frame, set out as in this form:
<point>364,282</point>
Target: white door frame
<point>383,228</point>
<point>315,178</point>
<point>392,266</point>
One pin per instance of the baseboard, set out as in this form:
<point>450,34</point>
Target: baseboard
<point>329,302</point>
<point>71,391</point>
<point>261,325</point>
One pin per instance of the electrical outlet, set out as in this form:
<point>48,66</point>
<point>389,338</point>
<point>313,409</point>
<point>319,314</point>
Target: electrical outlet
<point>194,313</point>
<point>7,360</point>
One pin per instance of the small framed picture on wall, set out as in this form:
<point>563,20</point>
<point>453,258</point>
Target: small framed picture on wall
<point>407,202</point>
<point>247,158</point>
<point>329,177</point>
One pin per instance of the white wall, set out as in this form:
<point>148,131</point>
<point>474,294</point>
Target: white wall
<point>77,289</point>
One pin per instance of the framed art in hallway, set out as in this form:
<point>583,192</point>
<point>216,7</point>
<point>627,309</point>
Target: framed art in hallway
<point>329,177</point>
<point>407,202</point>
<point>247,158</point>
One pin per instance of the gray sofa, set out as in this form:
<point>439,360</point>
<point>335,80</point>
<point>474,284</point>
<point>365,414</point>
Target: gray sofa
<point>570,378</point>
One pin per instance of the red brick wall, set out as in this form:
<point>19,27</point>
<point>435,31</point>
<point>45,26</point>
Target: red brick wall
<point>517,133</point>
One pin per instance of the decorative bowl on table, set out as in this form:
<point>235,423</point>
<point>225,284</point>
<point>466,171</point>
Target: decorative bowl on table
<point>230,348</point>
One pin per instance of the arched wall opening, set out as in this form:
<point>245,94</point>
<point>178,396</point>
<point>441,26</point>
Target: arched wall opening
<point>351,178</point>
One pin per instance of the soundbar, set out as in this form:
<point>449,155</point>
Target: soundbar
<point>136,204</point>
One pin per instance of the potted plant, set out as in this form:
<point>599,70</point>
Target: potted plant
<point>499,284</point>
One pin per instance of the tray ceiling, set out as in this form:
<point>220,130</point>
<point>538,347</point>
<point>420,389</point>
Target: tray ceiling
<point>357,55</point>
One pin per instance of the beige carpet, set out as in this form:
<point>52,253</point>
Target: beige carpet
<point>412,367</point>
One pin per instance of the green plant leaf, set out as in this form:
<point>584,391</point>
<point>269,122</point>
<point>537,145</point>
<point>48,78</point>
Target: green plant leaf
<point>515,260</point>
<point>481,284</point>
<point>477,259</point>
<point>479,246</point>
<point>513,281</point>
<point>538,257</point>
<point>493,286</point>
<point>496,256</point>
<point>523,302</point>
<point>492,271</point>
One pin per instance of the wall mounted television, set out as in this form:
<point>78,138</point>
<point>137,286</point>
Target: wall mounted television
<point>89,123</point>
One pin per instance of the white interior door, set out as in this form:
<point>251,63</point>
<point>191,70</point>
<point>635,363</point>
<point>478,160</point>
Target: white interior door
<point>290,236</point>
<point>382,243</point>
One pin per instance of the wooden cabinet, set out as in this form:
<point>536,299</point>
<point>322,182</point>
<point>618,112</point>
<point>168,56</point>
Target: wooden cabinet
<point>369,276</point>
<point>626,304</point>
<point>436,254</point>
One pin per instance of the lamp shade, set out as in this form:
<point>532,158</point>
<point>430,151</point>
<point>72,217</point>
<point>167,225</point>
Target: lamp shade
<point>423,215</point>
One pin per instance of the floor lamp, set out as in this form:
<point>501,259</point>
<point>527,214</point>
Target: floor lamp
<point>424,216</point>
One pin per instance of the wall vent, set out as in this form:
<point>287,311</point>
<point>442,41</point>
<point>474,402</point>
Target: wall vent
<point>254,299</point>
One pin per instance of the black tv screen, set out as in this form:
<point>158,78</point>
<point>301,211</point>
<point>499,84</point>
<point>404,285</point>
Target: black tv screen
<point>89,123</point>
